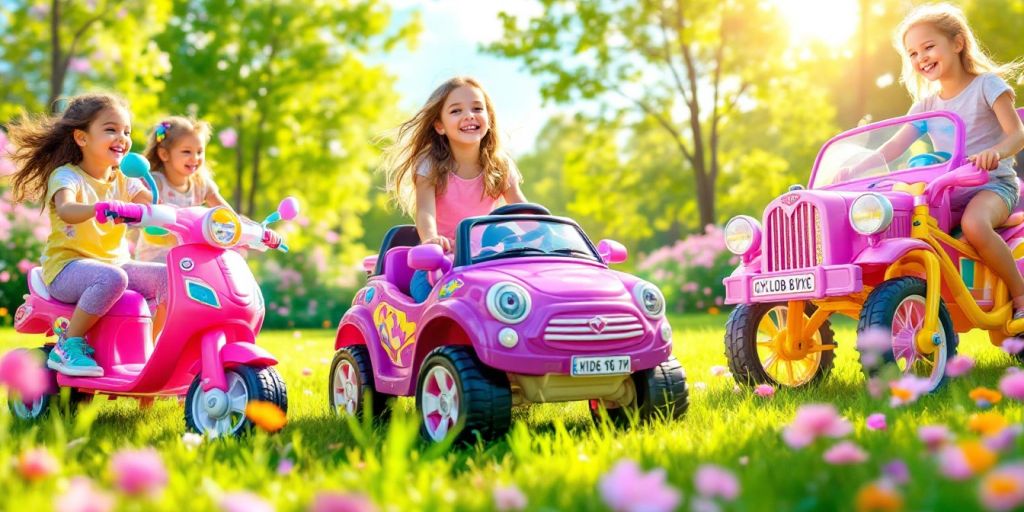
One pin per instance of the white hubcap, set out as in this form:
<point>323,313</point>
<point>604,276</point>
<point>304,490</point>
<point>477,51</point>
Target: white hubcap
<point>233,416</point>
<point>440,402</point>
<point>346,388</point>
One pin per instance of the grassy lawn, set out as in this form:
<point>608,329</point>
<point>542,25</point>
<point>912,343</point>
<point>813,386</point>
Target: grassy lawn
<point>554,454</point>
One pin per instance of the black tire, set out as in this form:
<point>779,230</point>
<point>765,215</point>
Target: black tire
<point>661,392</point>
<point>42,405</point>
<point>880,308</point>
<point>483,394</point>
<point>357,359</point>
<point>741,345</point>
<point>260,384</point>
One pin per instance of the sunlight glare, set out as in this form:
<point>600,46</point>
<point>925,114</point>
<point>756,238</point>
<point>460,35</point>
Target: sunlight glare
<point>832,22</point>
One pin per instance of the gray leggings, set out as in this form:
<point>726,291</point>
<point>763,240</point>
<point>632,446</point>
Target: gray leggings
<point>95,286</point>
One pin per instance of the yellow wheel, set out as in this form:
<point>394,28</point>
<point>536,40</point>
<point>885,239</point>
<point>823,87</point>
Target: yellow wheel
<point>759,353</point>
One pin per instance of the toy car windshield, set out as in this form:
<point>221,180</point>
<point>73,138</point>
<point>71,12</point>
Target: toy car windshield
<point>498,238</point>
<point>887,149</point>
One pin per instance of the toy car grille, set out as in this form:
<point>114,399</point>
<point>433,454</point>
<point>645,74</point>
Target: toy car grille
<point>793,238</point>
<point>593,328</point>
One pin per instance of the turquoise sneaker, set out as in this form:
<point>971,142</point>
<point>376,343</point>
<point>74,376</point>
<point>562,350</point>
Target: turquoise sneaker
<point>71,356</point>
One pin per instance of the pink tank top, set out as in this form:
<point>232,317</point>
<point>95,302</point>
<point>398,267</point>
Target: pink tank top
<point>462,198</point>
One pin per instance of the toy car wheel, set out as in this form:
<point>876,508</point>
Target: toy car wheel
<point>898,306</point>
<point>458,396</point>
<point>40,406</point>
<point>751,337</point>
<point>661,392</point>
<point>222,413</point>
<point>351,383</point>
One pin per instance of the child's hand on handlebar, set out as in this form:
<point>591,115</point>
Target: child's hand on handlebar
<point>118,211</point>
<point>987,159</point>
<point>446,245</point>
<point>271,239</point>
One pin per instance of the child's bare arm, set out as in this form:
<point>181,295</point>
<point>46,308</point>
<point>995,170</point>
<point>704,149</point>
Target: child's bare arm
<point>213,198</point>
<point>514,194</point>
<point>69,210</point>
<point>143,197</point>
<point>426,215</point>
<point>1013,135</point>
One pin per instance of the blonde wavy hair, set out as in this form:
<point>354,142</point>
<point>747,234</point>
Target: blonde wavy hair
<point>416,142</point>
<point>170,130</point>
<point>951,22</point>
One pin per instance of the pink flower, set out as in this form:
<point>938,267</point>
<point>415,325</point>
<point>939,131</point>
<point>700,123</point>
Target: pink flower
<point>37,464</point>
<point>872,343</point>
<point>331,237</point>
<point>24,266</point>
<point>764,390</point>
<point>876,421</point>
<point>79,65</point>
<point>846,452</point>
<point>875,387</point>
<point>934,436</point>
<point>1003,488</point>
<point>908,389</point>
<point>139,471</point>
<point>1012,345</point>
<point>509,497</point>
<point>81,496</point>
<point>714,481</point>
<point>1012,385</point>
<point>228,137</point>
<point>340,502</point>
<point>813,421</point>
<point>959,366</point>
<point>24,375</point>
<point>625,488</point>
<point>5,276</point>
<point>953,464</point>
<point>285,466</point>
<point>307,372</point>
<point>719,370</point>
<point>1004,439</point>
<point>897,472</point>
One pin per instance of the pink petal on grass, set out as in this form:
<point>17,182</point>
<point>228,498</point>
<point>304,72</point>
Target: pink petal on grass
<point>509,497</point>
<point>37,464</point>
<point>934,436</point>
<point>714,481</point>
<point>341,502</point>
<point>959,366</point>
<point>813,421</point>
<point>953,464</point>
<point>1003,488</point>
<point>139,471</point>
<point>244,501</point>
<point>1004,439</point>
<point>626,488</point>
<point>1012,345</point>
<point>1012,385</point>
<point>719,371</point>
<point>24,374</point>
<point>844,453</point>
<point>764,390</point>
<point>876,421</point>
<point>896,471</point>
<point>82,496</point>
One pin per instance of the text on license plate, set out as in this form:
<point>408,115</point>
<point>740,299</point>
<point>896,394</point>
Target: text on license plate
<point>799,283</point>
<point>608,365</point>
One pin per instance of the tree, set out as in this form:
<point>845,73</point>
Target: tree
<point>685,64</point>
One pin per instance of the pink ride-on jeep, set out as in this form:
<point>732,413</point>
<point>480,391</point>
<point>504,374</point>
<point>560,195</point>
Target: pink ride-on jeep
<point>527,312</point>
<point>870,239</point>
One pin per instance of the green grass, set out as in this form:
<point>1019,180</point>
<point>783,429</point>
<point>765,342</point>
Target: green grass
<point>553,453</point>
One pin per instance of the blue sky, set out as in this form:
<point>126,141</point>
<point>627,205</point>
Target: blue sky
<point>453,31</point>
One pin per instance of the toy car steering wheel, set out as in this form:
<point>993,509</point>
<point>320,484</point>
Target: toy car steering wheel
<point>527,208</point>
<point>926,159</point>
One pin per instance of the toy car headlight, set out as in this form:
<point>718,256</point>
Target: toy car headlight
<point>508,302</point>
<point>649,298</point>
<point>742,234</point>
<point>870,214</point>
<point>222,227</point>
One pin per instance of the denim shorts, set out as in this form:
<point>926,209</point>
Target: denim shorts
<point>1006,187</point>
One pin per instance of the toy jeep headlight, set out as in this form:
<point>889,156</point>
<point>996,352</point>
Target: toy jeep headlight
<point>742,234</point>
<point>870,214</point>
<point>508,303</point>
<point>649,298</point>
<point>221,227</point>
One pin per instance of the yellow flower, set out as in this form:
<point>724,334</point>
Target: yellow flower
<point>874,497</point>
<point>713,310</point>
<point>978,456</point>
<point>3,312</point>
<point>987,423</point>
<point>988,395</point>
<point>903,394</point>
<point>266,415</point>
<point>327,324</point>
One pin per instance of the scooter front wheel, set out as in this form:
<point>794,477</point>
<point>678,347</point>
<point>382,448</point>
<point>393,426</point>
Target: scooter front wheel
<point>32,411</point>
<point>222,413</point>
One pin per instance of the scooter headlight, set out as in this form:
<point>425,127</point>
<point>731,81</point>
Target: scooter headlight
<point>870,214</point>
<point>222,227</point>
<point>742,234</point>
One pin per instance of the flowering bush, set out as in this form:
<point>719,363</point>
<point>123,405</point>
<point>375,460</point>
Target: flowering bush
<point>690,272</point>
<point>297,292</point>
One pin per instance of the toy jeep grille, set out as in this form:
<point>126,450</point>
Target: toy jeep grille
<point>615,327</point>
<point>793,238</point>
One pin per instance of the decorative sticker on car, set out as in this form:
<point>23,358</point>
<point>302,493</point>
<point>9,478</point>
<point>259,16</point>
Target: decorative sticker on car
<point>396,332</point>
<point>449,288</point>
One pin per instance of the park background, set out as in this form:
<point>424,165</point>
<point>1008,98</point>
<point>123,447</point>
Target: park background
<point>648,122</point>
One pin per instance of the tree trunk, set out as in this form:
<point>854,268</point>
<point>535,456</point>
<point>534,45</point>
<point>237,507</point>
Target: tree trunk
<point>57,67</point>
<point>705,199</point>
<point>239,165</point>
<point>257,149</point>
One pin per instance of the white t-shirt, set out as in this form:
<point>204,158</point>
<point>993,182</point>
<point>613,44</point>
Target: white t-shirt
<point>974,106</point>
<point>154,248</point>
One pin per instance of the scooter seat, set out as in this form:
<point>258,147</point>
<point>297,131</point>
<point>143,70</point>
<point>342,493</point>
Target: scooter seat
<point>131,302</point>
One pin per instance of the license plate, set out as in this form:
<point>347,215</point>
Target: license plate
<point>608,365</point>
<point>784,285</point>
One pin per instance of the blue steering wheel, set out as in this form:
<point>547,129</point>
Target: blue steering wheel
<point>926,159</point>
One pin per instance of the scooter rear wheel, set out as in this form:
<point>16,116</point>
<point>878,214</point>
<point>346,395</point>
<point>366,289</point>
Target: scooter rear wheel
<point>244,384</point>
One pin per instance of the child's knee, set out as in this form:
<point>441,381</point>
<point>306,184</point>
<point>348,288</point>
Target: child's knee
<point>976,227</point>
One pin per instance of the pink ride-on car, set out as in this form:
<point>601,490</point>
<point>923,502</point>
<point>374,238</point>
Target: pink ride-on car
<point>527,311</point>
<point>869,238</point>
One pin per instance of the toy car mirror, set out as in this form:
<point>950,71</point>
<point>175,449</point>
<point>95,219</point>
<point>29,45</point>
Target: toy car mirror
<point>612,252</point>
<point>288,209</point>
<point>427,257</point>
<point>135,165</point>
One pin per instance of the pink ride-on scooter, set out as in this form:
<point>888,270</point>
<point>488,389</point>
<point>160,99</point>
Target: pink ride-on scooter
<point>206,351</point>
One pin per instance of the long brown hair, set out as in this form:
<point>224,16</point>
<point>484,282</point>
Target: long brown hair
<point>951,22</point>
<point>164,135</point>
<point>418,143</point>
<point>44,143</point>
